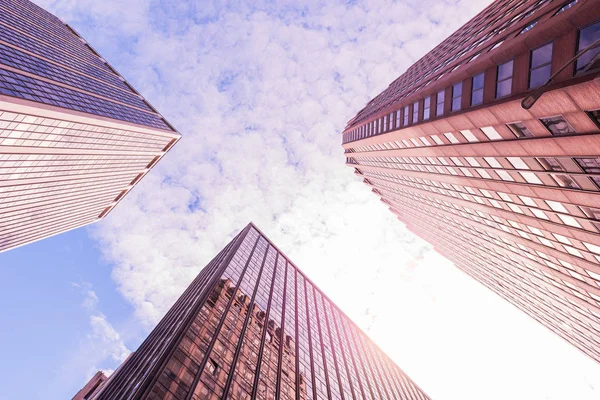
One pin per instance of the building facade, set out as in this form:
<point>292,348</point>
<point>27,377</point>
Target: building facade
<point>253,326</point>
<point>92,387</point>
<point>510,195</point>
<point>75,137</point>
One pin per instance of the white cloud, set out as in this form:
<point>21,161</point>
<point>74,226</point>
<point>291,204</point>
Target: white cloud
<point>101,347</point>
<point>106,339</point>
<point>260,93</point>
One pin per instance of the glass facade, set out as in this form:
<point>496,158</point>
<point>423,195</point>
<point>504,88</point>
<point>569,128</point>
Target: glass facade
<point>509,195</point>
<point>74,135</point>
<point>253,326</point>
<point>59,69</point>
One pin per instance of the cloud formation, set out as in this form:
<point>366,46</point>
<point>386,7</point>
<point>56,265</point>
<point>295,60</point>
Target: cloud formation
<point>101,346</point>
<point>260,92</point>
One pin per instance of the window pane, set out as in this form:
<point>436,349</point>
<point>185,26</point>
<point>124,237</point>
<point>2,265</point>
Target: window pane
<point>491,133</point>
<point>541,56</point>
<point>589,165</point>
<point>566,181</point>
<point>415,112</point>
<point>492,162</point>
<point>520,129</point>
<point>478,82</point>
<point>440,104</point>
<point>456,96</point>
<point>539,76</point>
<point>531,177</point>
<point>505,70</point>
<point>426,107</point>
<point>587,36</point>
<point>593,213</point>
<point>550,164</point>
<point>504,88</point>
<point>566,6</point>
<point>558,126</point>
<point>451,137</point>
<point>517,162</point>
<point>469,135</point>
<point>477,97</point>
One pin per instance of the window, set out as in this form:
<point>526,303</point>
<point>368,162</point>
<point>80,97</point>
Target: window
<point>504,79</point>
<point>556,206</point>
<point>505,176</point>
<point>415,118</point>
<point>492,162</point>
<point>398,119</point>
<point>528,201</point>
<point>566,181</point>
<point>494,47</point>
<point>567,6</point>
<point>550,164</point>
<point>405,116</point>
<point>477,90</point>
<point>426,108</point>
<point>440,103</point>
<point>558,126</point>
<point>456,96</point>
<point>535,230</point>
<point>436,139</point>
<point>469,135</point>
<point>562,239</point>
<point>491,133</point>
<point>472,162</point>
<point>539,213</point>
<point>591,213</point>
<point>530,177</point>
<point>528,27</point>
<point>212,366</point>
<point>517,162</point>
<point>519,129</point>
<point>589,60</point>
<point>484,173</point>
<point>595,116</point>
<point>573,251</point>
<point>540,66</point>
<point>515,208</point>
<point>568,220</point>
<point>457,161</point>
<point>590,166</point>
<point>385,123</point>
<point>451,138</point>
<point>505,197</point>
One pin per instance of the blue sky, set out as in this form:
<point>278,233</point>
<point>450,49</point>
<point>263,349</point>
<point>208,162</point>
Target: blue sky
<point>260,93</point>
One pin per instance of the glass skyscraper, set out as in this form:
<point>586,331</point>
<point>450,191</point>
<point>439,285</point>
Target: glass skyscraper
<point>75,136</point>
<point>253,326</point>
<point>510,195</point>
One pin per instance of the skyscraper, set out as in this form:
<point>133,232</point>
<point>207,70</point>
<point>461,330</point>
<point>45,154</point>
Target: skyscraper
<point>252,325</point>
<point>75,137</point>
<point>92,387</point>
<point>509,194</point>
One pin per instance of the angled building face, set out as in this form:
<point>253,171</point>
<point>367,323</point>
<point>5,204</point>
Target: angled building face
<point>510,195</point>
<point>251,325</point>
<point>92,387</point>
<point>75,137</point>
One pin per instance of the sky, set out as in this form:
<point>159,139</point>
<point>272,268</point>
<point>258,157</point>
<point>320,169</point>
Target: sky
<point>260,92</point>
